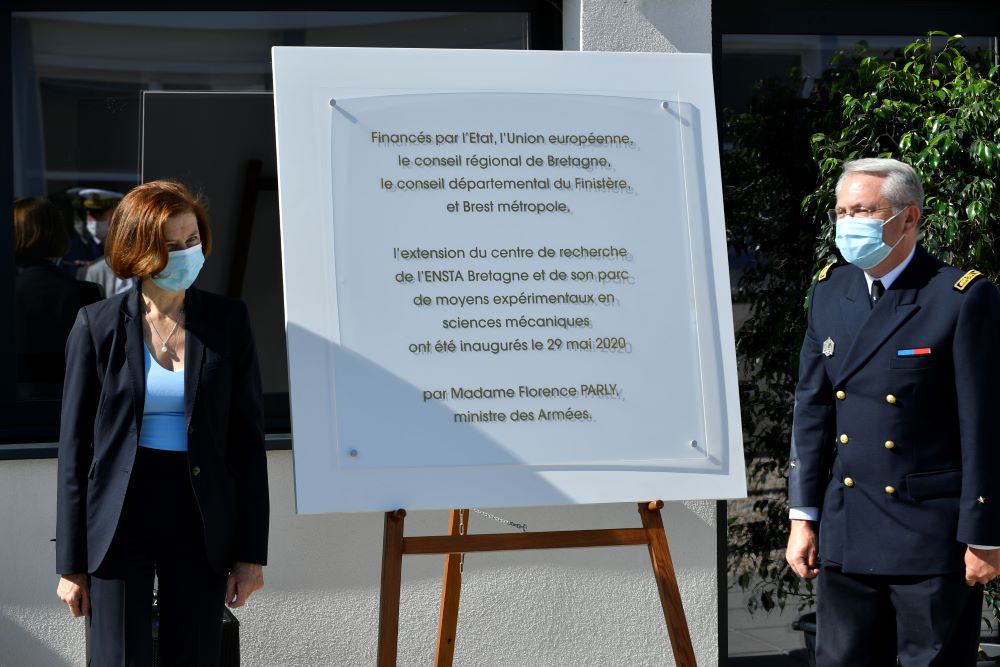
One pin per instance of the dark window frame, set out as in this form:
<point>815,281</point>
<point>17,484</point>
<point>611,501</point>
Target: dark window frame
<point>29,429</point>
<point>849,17</point>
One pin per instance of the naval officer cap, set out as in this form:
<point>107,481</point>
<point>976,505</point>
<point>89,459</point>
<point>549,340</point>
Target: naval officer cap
<point>96,199</point>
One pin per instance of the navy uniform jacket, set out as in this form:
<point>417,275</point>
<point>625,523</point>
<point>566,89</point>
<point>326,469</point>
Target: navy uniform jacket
<point>102,408</point>
<point>901,452</point>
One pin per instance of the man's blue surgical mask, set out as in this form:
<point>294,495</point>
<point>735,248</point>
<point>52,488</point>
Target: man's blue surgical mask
<point>859,240</point>
<point>181,269</point>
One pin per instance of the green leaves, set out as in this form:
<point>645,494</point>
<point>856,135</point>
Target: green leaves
<point>938,108</point>
<point>984,151</point>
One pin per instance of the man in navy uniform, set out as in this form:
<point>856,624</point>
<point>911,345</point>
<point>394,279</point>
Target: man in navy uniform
<point>896,437</point>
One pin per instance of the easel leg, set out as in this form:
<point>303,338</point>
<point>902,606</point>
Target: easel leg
<point>392,574</point>
<point>451,591</point>
<point>666,582</point>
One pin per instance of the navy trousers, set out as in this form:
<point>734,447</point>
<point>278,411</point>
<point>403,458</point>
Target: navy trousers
<point>159,534</point>
<point>869,620</point>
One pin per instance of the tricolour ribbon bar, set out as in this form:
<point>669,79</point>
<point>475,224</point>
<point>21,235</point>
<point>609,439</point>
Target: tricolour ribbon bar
<point>914,352</point>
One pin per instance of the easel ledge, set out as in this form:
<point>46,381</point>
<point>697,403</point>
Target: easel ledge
<point>395,546</point>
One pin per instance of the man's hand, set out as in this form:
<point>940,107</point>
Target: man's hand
<point>73,590</point>
<point>244,579</point>
<point>981,565</point>
<point>802,552</point>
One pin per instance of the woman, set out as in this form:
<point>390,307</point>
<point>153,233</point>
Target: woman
<point>161,451</point>
<point>46,299</point>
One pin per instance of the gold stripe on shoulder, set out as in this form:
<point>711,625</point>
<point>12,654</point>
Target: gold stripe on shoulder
<point>825,272</point>
<point>966,280</point>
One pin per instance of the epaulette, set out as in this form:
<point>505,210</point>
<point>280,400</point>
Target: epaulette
<point>966,280</point>
<point>825,272</point>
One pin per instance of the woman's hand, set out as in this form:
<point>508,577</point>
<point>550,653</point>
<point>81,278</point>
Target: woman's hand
<point>244,579</point>
<point>73,590</point>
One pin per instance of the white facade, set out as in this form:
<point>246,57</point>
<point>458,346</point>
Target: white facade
<point>319,605</point>
<point>320,602</point>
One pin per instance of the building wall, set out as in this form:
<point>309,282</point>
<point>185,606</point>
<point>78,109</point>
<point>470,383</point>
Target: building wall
<point>669,26</point>
<point>320,602</point>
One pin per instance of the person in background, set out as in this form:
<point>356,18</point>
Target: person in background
<point>92,211</point>
<point>98,218</point>
<point>46,300</point>
<point>162,470</point>
<point>896,437</point>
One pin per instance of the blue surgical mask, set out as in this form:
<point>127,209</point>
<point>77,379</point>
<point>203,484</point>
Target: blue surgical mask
<point>181,269</point>
<point>859,240</point>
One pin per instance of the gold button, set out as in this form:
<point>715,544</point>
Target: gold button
<point>890,399</point>
<point>196,471</point>
<point>889,444</point>
<point>848,482</point>
<point>981,500</point>
<point>841,394</point>
<point>890,490</point>
<point>844,439</point>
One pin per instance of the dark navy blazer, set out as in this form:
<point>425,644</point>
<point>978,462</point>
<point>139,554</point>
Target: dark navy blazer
<point>901,452</point>
<point>102,411</point>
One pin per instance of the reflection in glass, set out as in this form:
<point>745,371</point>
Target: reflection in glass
<point>78,80</point>
<point>46,299</point>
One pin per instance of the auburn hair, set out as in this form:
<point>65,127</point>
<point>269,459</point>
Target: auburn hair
<point>39,230</point>
<point>136,246</point>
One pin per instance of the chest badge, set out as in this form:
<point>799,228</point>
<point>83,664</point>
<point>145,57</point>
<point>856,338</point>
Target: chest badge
<point>828,346</point>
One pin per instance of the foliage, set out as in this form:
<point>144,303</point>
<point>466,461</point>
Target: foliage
<point>935,106</point>
<point>939,110</point>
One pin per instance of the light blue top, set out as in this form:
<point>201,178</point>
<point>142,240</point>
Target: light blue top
<point>163,414</point>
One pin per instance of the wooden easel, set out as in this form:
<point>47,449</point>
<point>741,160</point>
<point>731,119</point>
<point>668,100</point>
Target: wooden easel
<point>453,545</point>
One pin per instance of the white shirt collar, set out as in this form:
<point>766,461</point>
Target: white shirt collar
<point>890,277</point>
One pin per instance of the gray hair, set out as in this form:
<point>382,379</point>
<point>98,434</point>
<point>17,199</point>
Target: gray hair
<point>902,186</point>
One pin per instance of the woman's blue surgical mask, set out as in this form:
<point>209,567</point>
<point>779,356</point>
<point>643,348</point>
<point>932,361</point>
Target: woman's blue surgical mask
<point>181,269</point>
<point>860,242</point>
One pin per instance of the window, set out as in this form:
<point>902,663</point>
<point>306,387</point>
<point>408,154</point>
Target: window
<point>78,81</point>
<point>748,58</point>
<point>756,40</point>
